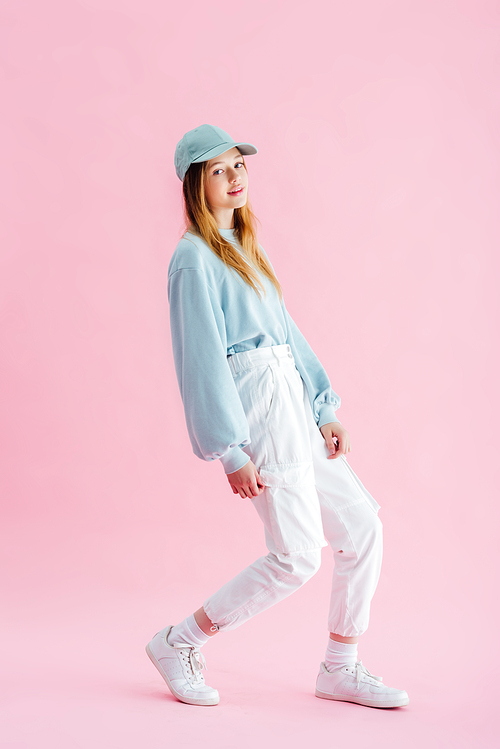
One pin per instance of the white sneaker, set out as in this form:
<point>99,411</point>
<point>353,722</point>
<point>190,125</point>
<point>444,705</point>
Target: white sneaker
<point>181,668</point>
<point>357,684</point>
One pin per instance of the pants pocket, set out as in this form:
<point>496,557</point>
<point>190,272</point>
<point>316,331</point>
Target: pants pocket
<point>359,486</point>
<point>271,403</point>
<point>290,508</point>
<point>257,390</point>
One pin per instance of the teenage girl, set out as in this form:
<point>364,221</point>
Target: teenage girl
<point>257,399</point>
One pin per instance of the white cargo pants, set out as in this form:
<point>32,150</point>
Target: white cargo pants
<point>307,499</point>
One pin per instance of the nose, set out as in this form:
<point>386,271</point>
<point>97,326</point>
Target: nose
<point>233,173</point>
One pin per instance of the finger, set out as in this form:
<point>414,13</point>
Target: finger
<point>338,450</point>
<point>260,488</point>
<point>254,485</point>
<point>330,445</point>
<point>260,484</point>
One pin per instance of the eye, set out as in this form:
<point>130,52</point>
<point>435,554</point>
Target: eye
<point>238,163</point>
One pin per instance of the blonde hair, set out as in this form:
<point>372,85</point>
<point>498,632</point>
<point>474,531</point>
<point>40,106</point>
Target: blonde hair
<point>201,221</point>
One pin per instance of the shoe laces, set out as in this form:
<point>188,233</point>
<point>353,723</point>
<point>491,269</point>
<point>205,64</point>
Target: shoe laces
<point>363,671</point>
<point>194,661</point>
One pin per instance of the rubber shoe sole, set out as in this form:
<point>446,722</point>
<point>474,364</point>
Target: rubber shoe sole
<point>181,697</point>
<point>401,702</point>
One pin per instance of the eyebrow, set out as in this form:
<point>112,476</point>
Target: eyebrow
<point>238,156</point>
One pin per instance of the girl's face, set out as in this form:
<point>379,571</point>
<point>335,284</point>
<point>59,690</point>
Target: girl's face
<point>226,185</point>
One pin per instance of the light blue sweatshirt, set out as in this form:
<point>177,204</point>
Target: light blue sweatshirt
<point>214,313</point>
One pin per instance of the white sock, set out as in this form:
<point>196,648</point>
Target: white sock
<point>340,654</point>
<point>187,633</point>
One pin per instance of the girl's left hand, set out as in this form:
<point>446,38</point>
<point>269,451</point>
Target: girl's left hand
<point>336,438</point>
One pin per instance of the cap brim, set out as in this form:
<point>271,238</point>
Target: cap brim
<point>246,149</point>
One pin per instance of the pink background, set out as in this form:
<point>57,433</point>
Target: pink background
<point>377,185</point>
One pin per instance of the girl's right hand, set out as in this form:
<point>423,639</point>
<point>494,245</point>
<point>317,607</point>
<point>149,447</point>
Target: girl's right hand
<point>246,481</point>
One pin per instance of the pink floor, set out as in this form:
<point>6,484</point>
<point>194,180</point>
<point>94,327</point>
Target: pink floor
<point>75,673</point>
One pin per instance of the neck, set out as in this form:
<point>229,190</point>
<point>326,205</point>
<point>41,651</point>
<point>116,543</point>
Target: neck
<point>224,217</point>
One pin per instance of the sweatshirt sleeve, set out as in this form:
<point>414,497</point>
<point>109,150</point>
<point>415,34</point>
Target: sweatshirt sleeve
<point>324,400</point>
<point>216,422</point>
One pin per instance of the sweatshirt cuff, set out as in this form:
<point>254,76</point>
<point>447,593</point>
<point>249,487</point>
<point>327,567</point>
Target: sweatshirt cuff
<point>234,459</point>
<point>327,415</point>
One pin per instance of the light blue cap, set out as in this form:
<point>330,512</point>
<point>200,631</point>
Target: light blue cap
<point>202,144</point>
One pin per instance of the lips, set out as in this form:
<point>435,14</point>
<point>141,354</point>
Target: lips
<point>236,192</point>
